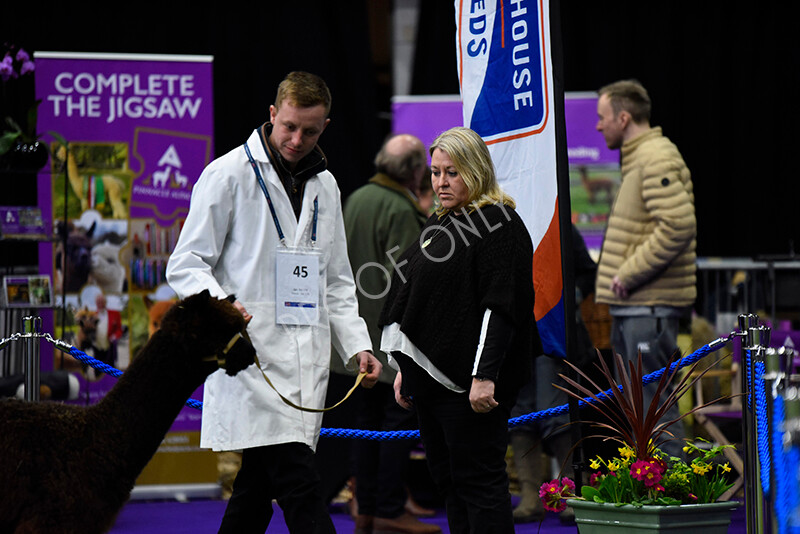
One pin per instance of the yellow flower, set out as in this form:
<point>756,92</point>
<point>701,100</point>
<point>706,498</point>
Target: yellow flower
<point>726,468</point>
<point>686,449</point>
<point>626,452</point>
<point>613,466</point>
<point>700,469</point>
<point>594,464</point>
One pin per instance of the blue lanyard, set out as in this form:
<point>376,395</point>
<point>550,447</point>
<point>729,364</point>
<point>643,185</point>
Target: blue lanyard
<point>272,208</point>
<point>314,223</point>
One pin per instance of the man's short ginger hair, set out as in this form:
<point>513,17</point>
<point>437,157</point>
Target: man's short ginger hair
<point>630,96</point>
<point>304,90</point>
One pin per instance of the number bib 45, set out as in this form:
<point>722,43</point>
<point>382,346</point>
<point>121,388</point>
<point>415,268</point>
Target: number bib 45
<point>297,287</point>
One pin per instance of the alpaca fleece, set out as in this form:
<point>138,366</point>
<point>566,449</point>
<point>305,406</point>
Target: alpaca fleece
<point>70,469</point>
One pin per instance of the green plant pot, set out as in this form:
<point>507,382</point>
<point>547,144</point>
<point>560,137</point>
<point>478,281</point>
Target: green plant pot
<point>603,518</point>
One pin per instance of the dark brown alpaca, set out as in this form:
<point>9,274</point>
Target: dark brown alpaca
<point>597,186</point>
<point>68,469</point>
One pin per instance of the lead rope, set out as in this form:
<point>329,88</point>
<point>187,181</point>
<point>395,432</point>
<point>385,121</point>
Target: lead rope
<point>359,378</point>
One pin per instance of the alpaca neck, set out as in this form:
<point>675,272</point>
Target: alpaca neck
<point>143,404</point>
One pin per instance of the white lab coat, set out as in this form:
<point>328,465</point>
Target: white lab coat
<point>228,245</point>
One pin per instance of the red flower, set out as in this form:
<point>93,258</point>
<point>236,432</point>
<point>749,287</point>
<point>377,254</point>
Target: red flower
<point>554,494</point>
<point>648,472</point>
<point>660,465</point>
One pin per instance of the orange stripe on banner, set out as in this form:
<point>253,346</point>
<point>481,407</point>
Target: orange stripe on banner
<point>547,277</point>
<point>502,24</point>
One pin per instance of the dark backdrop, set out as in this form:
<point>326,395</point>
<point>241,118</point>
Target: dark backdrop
<point>723,77</point>
<point>253,48</point>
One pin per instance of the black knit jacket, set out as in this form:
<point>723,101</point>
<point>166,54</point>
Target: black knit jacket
<point>474,261</point>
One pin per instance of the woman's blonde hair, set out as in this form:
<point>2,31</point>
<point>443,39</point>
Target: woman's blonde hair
<point>472,160</point>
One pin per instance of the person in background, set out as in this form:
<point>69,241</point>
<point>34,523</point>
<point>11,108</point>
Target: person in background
<point>263,218</point>
<point>646,271</point>
<point>534,443</point>
<point>109,331</point>
<point>381,219</point>
<point>458,322</point>
<point>425,193</point>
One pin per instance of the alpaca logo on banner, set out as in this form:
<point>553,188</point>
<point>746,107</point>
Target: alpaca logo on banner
<point>503,81</point>
<point>169,165</point>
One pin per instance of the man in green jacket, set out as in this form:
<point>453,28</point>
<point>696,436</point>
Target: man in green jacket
<point>382,218</point>
<point>646,272</point>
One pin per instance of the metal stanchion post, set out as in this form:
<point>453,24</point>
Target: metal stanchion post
<point>757,339</point>
<point>746,322</point>
<point>31,331</point>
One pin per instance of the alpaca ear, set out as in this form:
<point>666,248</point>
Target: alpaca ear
<point>205,294</point>
<point>231,298</point>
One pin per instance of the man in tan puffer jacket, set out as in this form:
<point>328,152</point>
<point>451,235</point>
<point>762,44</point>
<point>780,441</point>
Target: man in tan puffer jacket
<point>646,272</point>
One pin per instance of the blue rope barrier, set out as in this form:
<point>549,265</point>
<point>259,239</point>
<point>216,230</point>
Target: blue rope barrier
<point>113,371</point>
<point>414,434</point>
<point>646,379</point>
<point>747,365</point>
<point>97,364</point>
<point>762,426</point>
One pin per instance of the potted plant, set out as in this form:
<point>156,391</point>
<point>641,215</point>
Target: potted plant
<point>643,489</point>
<point>20,147</point>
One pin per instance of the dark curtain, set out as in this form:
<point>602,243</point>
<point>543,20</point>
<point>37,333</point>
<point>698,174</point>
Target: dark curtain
<point>253,49</point>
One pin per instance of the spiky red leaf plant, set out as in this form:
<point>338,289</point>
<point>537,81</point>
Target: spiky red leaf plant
<point>630,422</point>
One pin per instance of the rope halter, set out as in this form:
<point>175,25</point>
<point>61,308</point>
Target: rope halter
<point>220,356</point>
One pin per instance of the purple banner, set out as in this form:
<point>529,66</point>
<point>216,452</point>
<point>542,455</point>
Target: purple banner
<point>139,131</point>
<point>593,168</point>
<point>585,145</point>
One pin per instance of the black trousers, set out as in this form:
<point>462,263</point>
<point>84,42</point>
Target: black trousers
<point>284,472</point>
<point>381,466</point>
<point>466,457</point>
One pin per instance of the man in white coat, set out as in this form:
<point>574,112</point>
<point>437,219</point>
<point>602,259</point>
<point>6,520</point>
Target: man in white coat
<point>265,224</point>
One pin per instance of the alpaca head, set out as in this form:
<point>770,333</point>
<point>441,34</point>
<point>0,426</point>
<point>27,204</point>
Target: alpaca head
<point>213,329</point>
<point>73,255</point>
<point>106,269</point>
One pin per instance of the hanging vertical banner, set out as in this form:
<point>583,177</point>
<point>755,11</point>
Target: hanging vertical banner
<point>505,78</point>
<point>138,132</point>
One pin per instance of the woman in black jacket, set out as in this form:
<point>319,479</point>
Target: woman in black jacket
<point>459,324</point>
